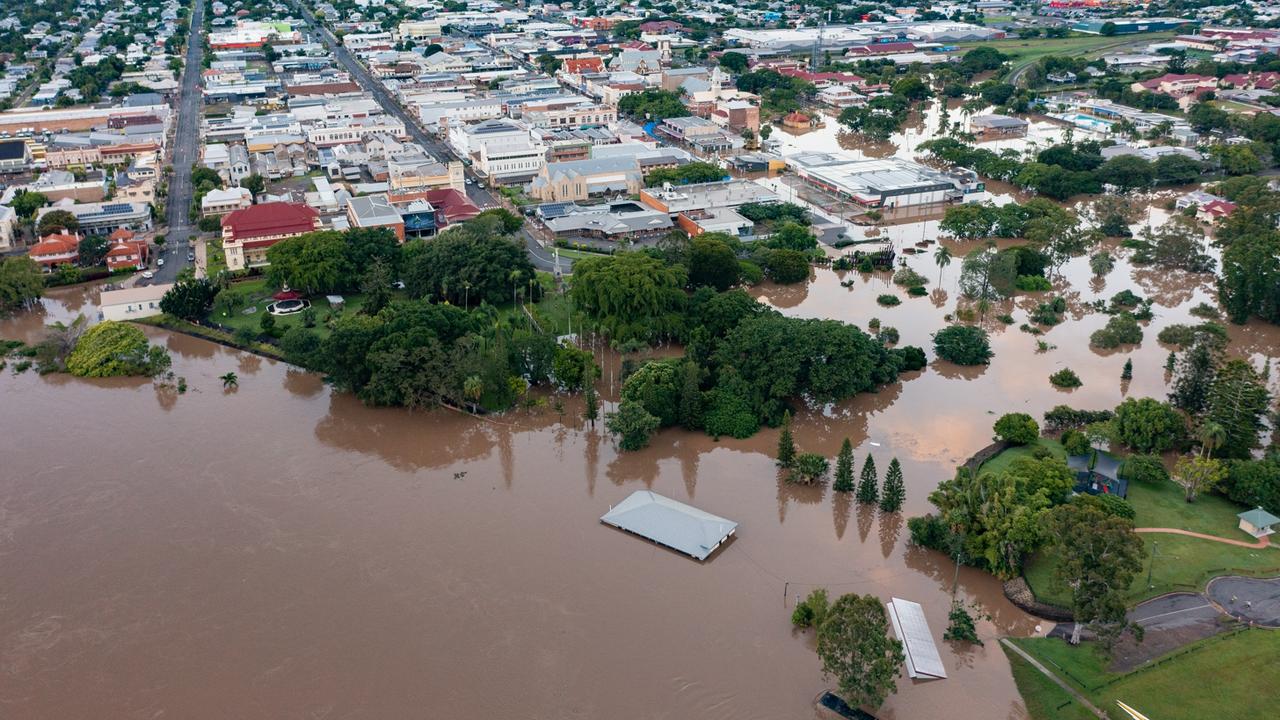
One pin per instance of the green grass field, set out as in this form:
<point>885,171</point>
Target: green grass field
<point>1226,678</point>
<point>1028,51</point>
<point>1164,505</point>
<point>1001,462</point>
<point>1181,564</point>
<point>1043,698</point>
<point>257,295</point>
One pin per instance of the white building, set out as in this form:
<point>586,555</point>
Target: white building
<point>132,303</point>
<point>220,202</point>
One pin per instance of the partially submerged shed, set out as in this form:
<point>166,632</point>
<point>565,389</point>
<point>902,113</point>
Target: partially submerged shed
<point>670,523</point>
<point>909,624</point>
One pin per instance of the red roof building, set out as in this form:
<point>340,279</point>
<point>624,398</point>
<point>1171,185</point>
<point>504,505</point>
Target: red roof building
<point>56,249</point>
<point>451,206</point>
<point>247,233</point>
<point>1215,210</point>
<point>577,66</point>
<point>124,252</point>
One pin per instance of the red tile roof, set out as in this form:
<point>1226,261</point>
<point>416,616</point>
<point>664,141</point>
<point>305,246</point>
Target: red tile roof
<point>267,219</point>
<point>120,234</point>
<point>577,66</point>
<point>333,88</point>
<point>56,244</point>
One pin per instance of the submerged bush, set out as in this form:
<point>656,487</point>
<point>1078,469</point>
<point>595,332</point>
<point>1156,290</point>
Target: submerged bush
<point>1065,378</point>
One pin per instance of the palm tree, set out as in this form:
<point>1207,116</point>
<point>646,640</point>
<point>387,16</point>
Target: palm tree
<point>1211,436</point>
<point>230,380</point>
<point>472,389</point>
<point>941,256</point>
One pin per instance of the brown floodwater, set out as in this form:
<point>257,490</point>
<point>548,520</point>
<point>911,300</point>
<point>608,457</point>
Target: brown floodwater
<point>281,551</point>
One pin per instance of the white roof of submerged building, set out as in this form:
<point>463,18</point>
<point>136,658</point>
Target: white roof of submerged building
<point>681,527</point>
<point>917,642</point>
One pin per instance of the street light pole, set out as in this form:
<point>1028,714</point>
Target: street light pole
<point>1155,550</point>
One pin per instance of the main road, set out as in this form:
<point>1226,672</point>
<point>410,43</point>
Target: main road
<point>538,254</point>
<point>185,149</point>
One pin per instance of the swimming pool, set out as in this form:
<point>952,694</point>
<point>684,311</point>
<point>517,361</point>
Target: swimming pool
<point>1090,122</point>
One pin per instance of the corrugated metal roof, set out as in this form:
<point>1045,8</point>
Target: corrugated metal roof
<point>913,630</point>
<point>671,523</point>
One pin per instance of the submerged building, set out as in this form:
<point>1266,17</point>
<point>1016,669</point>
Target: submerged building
<point>887,183</point>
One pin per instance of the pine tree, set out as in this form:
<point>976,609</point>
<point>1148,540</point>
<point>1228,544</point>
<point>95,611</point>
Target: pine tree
<point>786,446</point>
<point>1127,373</point>
<point>844,468</point>
<point>895,492</point>
<point>1170,361</point>
<point>869,486</point>
<point>1194,378</point>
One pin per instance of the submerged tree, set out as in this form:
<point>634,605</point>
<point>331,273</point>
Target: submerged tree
<point>869,485</point>
<point>844,468</point>
<point>855,649</point>
<point>786,445</point>
<point>895,492</point>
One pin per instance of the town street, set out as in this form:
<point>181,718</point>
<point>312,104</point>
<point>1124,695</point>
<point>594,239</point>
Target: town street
<point>185,150</point>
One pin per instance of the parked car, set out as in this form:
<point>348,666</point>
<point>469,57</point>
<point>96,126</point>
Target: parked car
<point>160,262</point>
<point>148,274</point>
<point>191,257</point>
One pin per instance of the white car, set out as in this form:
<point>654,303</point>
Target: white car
<point>160,262</point>
<point>148,274</point>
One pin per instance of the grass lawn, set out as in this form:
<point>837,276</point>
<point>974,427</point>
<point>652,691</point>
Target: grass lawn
<point>1183,564</point>
<point>572,254</point>
<point>1164,505</point>
<point>257,295</point>
<point>215,258</point>
<point>1043,698</point>
<point>1028,51</point>
<point>1225,678</point>
<point>1001,462</point>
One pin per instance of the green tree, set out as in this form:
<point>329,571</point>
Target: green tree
<point>734,62</point>
<point>591,405</point>
<point>1098,556</point>
<point>112,348</point>
<point>792,236</point>
<point>786,455</point>
<point>869,482</point>
<point>632,296</point>
<point>20,282</point>
<point>1108,29</point>
<point>26,203</point>
<point>1193,378</point>
<point>1127,372</point>
<point>549,63</point>
<point>987,275</point>
<point>963,345</point>
<point>691,401</point>
<point>189,299</point>
<point>1126,173</point>
<point>895,491</point>
<point>1238,402</point>
<point>942,256</point>
<point>254,183</point>
<point>1250,279</point>
<point>855,649</point>
<point>229,380</point>
<point>786,267</point>
<point>808,468</point>
<point>312,263</point>
<point>56,220</point>
<point>712,263</point>
<point>1017,428</point>
<point>471,263</point>
<point>844,468</point>
<point>656,386</point>
<point>631,424</point>
<point>1147,425</point>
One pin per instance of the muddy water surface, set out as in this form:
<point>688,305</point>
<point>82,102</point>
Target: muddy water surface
<point>282,551</point>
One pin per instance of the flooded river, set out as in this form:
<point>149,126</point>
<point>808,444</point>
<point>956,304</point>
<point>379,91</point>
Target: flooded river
<point>281,551</point>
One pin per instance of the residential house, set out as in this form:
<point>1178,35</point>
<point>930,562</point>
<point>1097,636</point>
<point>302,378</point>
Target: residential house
<point>56,249</point>
<point>125,251</point>
<point>997,127</point>
<point>219,202</point>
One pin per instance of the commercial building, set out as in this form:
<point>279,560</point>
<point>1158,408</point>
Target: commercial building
<point>622,221</point>
<point>104,218</point>
<point>247,233</point>
<point>886,183</point>
<point>997,127</point>
<point>1129,26</point>
<point>674,200</point>
<point>375,211</point>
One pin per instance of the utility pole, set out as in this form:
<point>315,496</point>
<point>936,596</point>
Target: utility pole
<point>1155,550</point>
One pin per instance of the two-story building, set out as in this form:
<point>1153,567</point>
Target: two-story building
<point>247,233</point>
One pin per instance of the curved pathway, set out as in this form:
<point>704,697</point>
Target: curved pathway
<point>1261,542</point>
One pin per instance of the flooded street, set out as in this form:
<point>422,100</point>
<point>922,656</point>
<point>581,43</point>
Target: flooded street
<point>282,551</point>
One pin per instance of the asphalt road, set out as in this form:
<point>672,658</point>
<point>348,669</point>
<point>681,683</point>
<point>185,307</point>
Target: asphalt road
<point>540,256</point>
<point>186,148</point>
